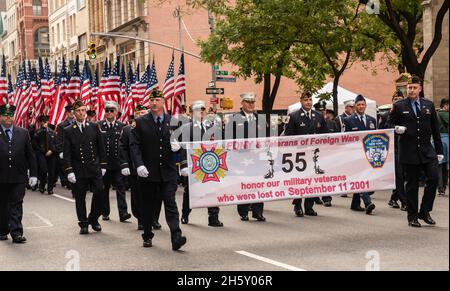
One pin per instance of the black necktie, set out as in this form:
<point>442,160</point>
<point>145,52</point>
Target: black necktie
<point>307,115</point>
<point>203,129</point>
<point>8,132</point>
<point>362,121</point>
<point>82,128</point>
<point>158,123</point>
<point>418,113</point>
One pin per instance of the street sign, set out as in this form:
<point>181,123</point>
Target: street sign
<point>226,79</point>
<point>216,67</point>
<point>221,73</point>
<point>215,91</point>
<point>214,101</point>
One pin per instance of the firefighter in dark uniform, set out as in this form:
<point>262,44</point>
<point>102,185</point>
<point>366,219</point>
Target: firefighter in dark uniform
<point>152,156</point>
<point>45,143</point>
<point>85,163</point>
<point>415,120</point>
<point>399,192</point>
<point>128,169</point>
<point>195,130</point>
<point>16,158</point>
<point>303,122</point>
<point>60,142</point>
<point>360,121</point>
<point>244,125</point>
<point>111,131</point>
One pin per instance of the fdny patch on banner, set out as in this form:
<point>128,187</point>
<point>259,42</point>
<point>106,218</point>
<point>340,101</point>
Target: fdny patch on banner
<point>376,147</point>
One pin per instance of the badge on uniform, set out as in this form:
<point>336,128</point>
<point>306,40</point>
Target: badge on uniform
<point>313,115</point>
<point>405,112</point>
<point>354,128</point>
<point>372,126</point>
<point>428,111</point>
<point>303,114</point>
<point>302,124</point>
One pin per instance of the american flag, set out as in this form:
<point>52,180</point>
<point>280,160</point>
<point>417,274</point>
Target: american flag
<point>73,89</point>
<point>128,105</point>
<point>152,84</point>
<point>38,101</point>
<point>180,89</point>
<point>111,91</point>
<point>169,86</point>
<point>141,85</point>
<point>101,92</point>
<point>25,99</point>
<point>10,89</point>
<point>48,87</point>
<point>86,91</point>
<point>123,88</point>
<point>3,84</point>
<point>94,86</point>
<point>57,113</point>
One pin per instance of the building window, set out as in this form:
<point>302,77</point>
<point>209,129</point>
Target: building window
<point>81,4</point>
<point>41,42</point>
<point>82,42</point>
<point>37,7</point>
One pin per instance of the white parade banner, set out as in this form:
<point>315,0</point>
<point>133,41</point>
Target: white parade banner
<point>232,172</point>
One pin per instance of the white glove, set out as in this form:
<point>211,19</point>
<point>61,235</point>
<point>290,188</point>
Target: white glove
<point>175,145</point>
<point>61,156</point>
<point>103,172</point>
<point>71,178</point>
<point>440,158</point>
<point>400,129</point>
<point>142,172</point>
<point>184,172</point>
<point>126,172</point>
<point>33,181</point>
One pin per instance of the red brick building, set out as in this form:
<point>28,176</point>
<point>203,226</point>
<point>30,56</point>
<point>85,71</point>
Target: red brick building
<point>32,28</point>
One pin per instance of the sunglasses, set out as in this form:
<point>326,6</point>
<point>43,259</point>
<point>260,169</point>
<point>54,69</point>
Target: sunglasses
<point>8,114</point>
<point>110,110</point>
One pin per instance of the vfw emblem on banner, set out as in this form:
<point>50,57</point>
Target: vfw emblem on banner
<point>376,147</point>
<point>209,164</point>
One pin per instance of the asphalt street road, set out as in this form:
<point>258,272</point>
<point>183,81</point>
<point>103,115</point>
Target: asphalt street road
<point>338,239</point>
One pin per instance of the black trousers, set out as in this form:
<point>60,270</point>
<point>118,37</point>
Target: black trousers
<point>79,190</point>
<point>399,192</point>
<point>47,171</point>
<point>412,176</point>
<point>309,203</point>
<point>11,209</point>
<point>114,177</point>
<point>257,209</point>
<point>166,191</point>
<point>136,198</point>
<point>60,171</point>
<point>213,212</point>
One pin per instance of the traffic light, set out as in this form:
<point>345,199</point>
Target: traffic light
<point>92,51</point>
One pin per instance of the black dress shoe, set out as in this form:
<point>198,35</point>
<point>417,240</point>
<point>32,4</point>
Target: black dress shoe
<point>84,230</point>
<point>50,192</point>
<point>96,226</point>
<point>327,204</point>
<point>215,223</point>
<point>370,209</point>
<point>427,218</point>
<point>318,201</point>
<point>394,204</point>
<point>310,212</point>
<point>403,208</point>
<point>298,211</point>
<point>359,208</point>
<point>19,240</point>
<point>147,243</point>
<point>178,243</point>
<point>125,217</point>
<point>259,217</point>
<point>105,218</point>
<point>184,220</point>
<point>244,218</point>
<point>3,237</point>
<point>414,223</point>
<point>42,190</point>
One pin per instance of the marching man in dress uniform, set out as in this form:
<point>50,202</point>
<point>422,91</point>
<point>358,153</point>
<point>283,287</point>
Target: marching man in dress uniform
<point>195,130</point>
<point>245,125</point>
<point>85,164</point>
<point>415,120</point>
<point>111,131</point>
<point>16,158</point>
<point>303,122</point>
<point>151,153</point>
<point>360,121</point>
